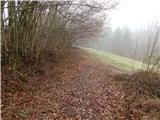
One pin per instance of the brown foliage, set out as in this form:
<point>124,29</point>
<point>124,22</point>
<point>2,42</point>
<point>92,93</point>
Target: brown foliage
<point>142,90</point>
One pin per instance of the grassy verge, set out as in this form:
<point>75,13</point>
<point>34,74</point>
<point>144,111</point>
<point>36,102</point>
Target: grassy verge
<point>119,62</point>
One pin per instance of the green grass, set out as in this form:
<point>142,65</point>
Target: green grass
<point>119,62</point>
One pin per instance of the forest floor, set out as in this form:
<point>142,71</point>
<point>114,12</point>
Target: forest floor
<point>73,87</point>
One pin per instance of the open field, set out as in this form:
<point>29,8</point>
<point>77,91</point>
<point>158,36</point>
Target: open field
<point>115,60</point>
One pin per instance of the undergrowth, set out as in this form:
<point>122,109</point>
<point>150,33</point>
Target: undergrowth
<point>142,91</point>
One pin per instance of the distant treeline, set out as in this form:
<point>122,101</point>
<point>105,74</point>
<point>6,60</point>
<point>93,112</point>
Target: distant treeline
<point>138,45</point>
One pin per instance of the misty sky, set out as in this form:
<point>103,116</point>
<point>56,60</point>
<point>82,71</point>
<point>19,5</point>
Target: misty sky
<point>136,13</point>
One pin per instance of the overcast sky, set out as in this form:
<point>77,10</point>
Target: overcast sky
<point>136,13</point>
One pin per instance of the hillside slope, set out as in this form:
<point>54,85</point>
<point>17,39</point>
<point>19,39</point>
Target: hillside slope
<point>119,62</point>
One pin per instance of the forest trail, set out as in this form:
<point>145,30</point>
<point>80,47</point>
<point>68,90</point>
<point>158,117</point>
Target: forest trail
<point>77,87</point>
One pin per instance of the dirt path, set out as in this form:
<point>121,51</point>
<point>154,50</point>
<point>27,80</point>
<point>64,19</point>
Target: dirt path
<point>75,88</point>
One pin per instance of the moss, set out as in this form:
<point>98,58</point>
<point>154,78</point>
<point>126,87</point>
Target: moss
<point>21,114</point>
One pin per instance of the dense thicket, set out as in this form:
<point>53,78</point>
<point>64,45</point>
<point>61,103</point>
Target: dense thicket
<point>31,28</point>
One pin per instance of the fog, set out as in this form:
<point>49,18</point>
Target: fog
<point>133,30</point>
<point>135,13</point>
